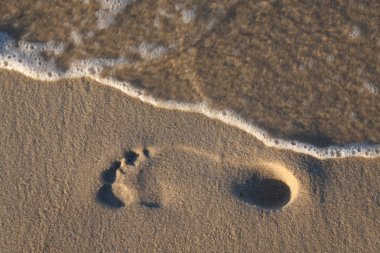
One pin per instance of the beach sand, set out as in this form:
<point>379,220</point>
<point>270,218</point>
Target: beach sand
<point>85,168</point>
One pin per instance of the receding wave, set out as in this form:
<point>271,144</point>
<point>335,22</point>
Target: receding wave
<point>25,57</point>
<point>301,70</point>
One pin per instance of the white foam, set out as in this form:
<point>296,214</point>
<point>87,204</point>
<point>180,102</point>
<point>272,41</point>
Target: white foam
<point>188,15</point>
<point>76,37</point>
<point>108,11</point>
<point>372,88</point>
<point>149,51</point>
<point>25,59</point>
<point>355,32</point>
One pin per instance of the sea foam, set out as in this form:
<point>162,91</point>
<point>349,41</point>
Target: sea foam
<point>25,57</point>
<point>108,11</point>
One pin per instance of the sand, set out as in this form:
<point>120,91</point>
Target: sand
<point>85,168</point>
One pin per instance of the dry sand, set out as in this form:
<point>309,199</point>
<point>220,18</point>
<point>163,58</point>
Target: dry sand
<point>85,168</point>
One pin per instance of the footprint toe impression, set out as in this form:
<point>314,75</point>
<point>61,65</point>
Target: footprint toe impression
<point>121,182</point>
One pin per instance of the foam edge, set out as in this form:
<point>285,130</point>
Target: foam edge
<point>24,57</point>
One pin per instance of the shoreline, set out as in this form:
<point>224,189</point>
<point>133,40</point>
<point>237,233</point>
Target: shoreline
<point>301,71</point>
<point>335,151</point>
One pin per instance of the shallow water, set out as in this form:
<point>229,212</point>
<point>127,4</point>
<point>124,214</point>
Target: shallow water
<point>300,70</point>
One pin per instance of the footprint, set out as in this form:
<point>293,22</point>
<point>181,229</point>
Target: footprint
<point>126,182</point>
<point>133,180</point>
<point>270,187</point>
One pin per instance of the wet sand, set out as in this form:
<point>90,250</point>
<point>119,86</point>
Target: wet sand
<point>85,168</point>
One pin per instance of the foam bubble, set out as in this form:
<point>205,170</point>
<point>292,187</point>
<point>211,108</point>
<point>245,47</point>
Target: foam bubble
<point>188,15</point>
<point>25,57</point>
<point>372,88</point>
<point>108,11</point>
<point>76,37</point>
<point>355,32</point>
<point>149,51</point>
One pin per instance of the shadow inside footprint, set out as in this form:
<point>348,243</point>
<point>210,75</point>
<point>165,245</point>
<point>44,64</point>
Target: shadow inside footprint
<point>131,157</point>
<point>107,197</point>
<point>150,204</point>
<point>266,193</point>
<point>109,176</point>
<point>146,153</point>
